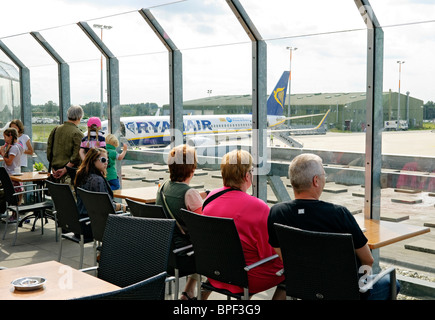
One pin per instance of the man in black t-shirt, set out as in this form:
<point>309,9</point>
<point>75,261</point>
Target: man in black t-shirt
<point>307,212</point>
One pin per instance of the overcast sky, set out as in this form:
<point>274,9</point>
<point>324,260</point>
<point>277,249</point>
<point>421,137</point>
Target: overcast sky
<point>330,37</point>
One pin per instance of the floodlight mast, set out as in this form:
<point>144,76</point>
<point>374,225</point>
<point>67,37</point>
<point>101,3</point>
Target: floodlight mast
<point>101,27</point>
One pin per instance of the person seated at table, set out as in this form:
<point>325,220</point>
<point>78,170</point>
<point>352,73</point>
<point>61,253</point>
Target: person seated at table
<point>11,152</point>
<point>307,212</point>
<point>176,194</point>
<point>250,217</point>
<point>91,176</point>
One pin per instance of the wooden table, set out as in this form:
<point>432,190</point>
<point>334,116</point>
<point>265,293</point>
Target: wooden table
<point>63,282</point>
<point>142,194</point>
<point>382,233</point>
<point>30,177</point>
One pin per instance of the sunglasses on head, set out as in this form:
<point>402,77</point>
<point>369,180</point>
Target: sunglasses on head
<point>102,159</point>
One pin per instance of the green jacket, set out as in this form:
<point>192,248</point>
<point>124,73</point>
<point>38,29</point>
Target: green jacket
<point>66,145</point>
<point>111,167</point>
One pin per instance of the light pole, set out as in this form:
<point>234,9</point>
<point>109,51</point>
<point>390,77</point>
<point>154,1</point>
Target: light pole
<point>290,80</point>
<point>398,99</point>
<point>101,27</point>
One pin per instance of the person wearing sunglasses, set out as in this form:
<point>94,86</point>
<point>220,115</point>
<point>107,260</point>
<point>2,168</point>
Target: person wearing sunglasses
<point>91,175</point>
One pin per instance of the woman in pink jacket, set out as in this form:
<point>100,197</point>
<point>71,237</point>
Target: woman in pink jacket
<point>250,217</point>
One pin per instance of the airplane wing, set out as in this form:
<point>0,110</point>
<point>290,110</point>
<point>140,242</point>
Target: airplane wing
<point>304,116</point>
<point>325,115</point>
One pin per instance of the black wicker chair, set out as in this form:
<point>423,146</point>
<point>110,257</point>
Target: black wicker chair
<point>322,266</point>
<point>67,217</point>
<point>38,208</point>
<point>145,210</point>
<point>149,289</point>
<point>218,253</point>
<point>99,206</point>
<point>134,249</point>
<point>139,209</point>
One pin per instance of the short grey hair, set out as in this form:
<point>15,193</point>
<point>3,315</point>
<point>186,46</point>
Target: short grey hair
<point>302,169</point>
<point>74,113</point>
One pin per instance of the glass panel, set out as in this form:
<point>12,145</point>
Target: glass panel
<point>217,83</point>
<point>325,50</point>
<point>322,43</point>
<point>43,82</point>
<point>407,145</point>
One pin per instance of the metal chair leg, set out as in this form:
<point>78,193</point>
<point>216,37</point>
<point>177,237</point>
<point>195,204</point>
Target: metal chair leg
<point>60,247</point>
<point>177,283</point>
<point>82,250</point>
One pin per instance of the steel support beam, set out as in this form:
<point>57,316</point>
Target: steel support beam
<point>112,65</point>
<point>175,78</point>
<point>259,104</point>
<point>63,76</point>
<point>26,106</point>
<point>113,99</point>
<point>373,162</point>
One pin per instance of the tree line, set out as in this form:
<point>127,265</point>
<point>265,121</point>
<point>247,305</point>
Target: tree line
<point>92,109</point>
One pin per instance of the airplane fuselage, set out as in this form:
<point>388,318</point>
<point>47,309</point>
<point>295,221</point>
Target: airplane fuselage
<point>155,130</point>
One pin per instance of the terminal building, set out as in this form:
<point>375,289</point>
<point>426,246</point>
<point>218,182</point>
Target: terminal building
<point>348,110</point>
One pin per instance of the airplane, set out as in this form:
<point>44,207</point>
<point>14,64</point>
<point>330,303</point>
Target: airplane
<point>154,131</point>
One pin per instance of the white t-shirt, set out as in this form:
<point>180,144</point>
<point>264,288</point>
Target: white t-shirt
<point>17,151</point>
<point>23,140</point>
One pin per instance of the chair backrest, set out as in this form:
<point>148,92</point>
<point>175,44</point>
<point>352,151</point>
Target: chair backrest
<point>152,288</point>
<point>218,250</point>
<point>8,187</point>
<point>99,206</point>
<point>318,265</point>
<point>144,210</point>
<point>66,207</point>
<point>134,249</point>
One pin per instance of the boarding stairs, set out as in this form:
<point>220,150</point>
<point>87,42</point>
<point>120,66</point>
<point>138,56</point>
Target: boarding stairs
<point>285,138</point>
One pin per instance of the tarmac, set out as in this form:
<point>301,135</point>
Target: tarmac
<point>414,257</point>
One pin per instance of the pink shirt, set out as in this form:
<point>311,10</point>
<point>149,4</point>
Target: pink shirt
<point>250,217</point>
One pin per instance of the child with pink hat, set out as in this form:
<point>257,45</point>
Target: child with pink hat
<point>94,138</point>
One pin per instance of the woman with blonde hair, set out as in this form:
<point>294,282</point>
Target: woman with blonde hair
<point>250,217</point>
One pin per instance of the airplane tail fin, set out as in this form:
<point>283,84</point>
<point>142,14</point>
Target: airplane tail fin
<point>276,100</point>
